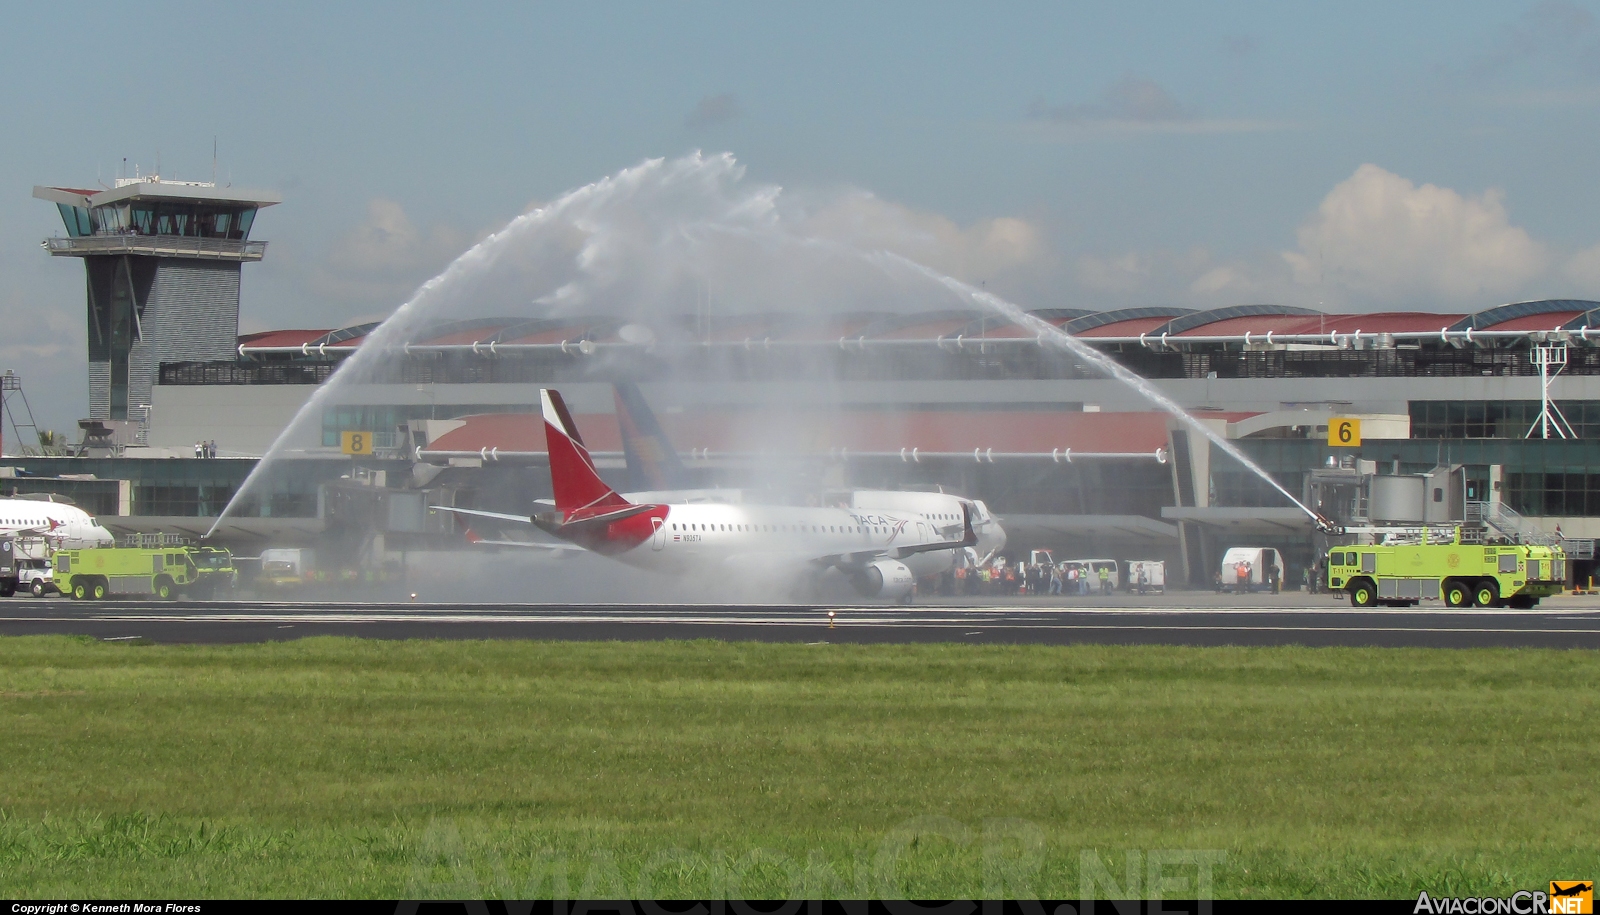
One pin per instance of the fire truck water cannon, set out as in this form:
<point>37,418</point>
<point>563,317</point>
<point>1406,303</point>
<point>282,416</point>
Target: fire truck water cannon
<point>1325,525</point>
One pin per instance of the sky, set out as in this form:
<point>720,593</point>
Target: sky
<point>1353,157</point>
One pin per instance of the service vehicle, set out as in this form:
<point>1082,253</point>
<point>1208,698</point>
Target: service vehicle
<point>1092,567</point>
<point>1155,575</point>
<point>36,576</point>
<point>285,568</point>
<point>1448,567</point>
<point>1249,568</point>
<point>162,568</point>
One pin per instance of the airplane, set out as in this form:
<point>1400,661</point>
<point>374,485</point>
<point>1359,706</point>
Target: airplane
<point>36,526</point>
<point>658,475</point>
<point>875,549</point>
<point>59,524</point>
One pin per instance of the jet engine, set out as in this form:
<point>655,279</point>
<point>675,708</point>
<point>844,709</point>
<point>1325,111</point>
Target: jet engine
<point>886,578</point>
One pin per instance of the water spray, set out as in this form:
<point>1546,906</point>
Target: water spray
<point>629,238</point>
<point>1057,336</point>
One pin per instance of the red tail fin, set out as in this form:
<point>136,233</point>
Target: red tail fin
<point>578,488</point>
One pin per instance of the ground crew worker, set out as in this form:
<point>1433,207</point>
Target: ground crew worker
<point>1105,580</point>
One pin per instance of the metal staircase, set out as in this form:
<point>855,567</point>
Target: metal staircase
<point>1497,516</point>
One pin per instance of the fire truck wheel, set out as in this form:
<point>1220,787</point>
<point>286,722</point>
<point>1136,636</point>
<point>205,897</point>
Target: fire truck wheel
<point>1486,594</point>
<point>97,591</point>
<point>1361,593</point>
<point>1457,594</point>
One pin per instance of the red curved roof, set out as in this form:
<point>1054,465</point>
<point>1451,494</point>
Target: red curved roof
<point>1383,322</point>
<point>553,335</point>
<point>506,431</point>
<point>1132,327</point>
<point>281,337</point>
<point>464,337</point>
<point>1260,324</point>
<point>810,431</point>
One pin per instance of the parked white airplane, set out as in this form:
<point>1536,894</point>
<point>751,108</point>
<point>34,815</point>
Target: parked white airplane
<point>877,549</point>
<point>57,524</point>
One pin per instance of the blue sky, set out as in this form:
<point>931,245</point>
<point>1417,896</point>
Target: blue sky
<point>1435,156</point>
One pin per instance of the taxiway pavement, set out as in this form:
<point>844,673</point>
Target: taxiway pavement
<point>1175,619</point>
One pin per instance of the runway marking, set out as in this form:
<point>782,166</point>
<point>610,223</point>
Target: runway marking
<point>883,623</point>
<point>490,608</point>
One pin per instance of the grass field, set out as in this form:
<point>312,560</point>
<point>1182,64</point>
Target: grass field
<point>331,767</point>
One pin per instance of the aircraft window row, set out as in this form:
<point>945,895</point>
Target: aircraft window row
<point>779,528</point>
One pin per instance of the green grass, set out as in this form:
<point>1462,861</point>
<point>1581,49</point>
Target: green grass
<point>332,767</point>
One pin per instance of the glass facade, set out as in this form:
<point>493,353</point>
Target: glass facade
<point>1542,478</point>
<point>1496,419</point>
<point>76,219</point>
<point>184,219</point>
<point>149,217</point>
<point>191,488</point>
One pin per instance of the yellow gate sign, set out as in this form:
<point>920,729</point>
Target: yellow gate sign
<point>355,442</point>
<point>1343,432</point>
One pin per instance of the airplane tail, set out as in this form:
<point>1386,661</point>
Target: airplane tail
<point>652,461</point>
<point>579,491</point>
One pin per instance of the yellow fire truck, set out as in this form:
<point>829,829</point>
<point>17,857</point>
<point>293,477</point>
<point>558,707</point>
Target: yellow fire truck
<point>1448,568</point>
<point>152,565</point>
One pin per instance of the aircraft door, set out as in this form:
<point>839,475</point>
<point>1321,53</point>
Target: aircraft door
<point>658,538</point>
<point>922,532</point>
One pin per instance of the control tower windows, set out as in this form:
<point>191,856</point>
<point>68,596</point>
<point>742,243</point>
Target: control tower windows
<point>76,220</point>
<point>185,220</point>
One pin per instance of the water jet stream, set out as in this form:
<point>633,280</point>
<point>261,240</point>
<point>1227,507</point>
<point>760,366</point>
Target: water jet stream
<point>1105,363</point>
<point>631,239</point>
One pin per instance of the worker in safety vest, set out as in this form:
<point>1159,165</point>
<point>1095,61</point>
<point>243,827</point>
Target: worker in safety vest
<point>1105,580</point>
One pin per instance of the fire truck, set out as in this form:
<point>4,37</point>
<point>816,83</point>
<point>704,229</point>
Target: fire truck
<point>1456,565</point>
<point>155,565</point>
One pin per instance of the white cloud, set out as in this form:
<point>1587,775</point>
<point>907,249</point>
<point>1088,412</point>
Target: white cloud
<point>1583,269</point>
<point>1383,238</point>
<point>386,257</point>
<point>986,250</point>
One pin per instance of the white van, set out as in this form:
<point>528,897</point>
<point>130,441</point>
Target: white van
<point>1092,567</point>
<point>1248,568</point>
<point>1155,575</point>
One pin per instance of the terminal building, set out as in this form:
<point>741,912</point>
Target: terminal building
<point>1499,407</point>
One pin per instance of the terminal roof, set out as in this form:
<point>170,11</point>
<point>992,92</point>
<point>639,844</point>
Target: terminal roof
<point>148,190</point>
<point>1114,325</point>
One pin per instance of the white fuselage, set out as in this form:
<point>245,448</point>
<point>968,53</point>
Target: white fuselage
<point>711,534</point>
<point>38,525</point>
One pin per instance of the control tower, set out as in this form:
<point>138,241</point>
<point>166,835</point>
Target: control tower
<point>163,260</point>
